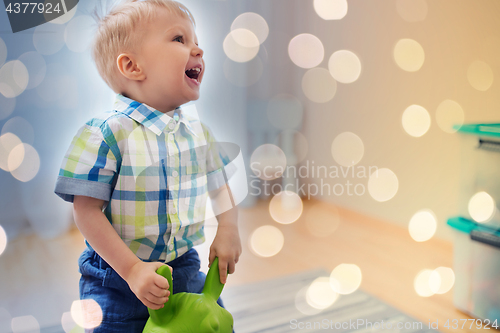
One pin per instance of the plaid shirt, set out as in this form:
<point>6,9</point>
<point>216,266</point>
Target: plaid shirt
<point>154,170</point>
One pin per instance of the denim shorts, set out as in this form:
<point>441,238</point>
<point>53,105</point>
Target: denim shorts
<point>122,310</point>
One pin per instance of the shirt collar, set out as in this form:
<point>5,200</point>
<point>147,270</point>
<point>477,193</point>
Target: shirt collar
<point>148,116</point>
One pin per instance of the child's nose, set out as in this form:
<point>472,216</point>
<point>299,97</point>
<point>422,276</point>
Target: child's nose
<point>197,51</point>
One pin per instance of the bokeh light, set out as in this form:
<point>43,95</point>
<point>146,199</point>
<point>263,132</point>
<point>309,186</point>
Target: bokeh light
<point>383,184</point>
<point>30,165</point>
<point>8,141</point>
<point>243,74</point>
<point>263,54</point>
<point>318,85</point>
<point>86,313</point>
<point>8,106</point>
<point>285,207</point>
<point>285,111</point>
<point>268,162</point>
<point>331,9</point>
<point>446,278</point>
<point>21,128</point>
<point>345,278</point>
<point>63,19</point>
<point>320,294</point>
<point>416,120</point>
<point>299,144</point>
<point>25,324</point>
<point>422,283</point>
<point>412,10</point>
<point>266,241</point>
<point>16,157</point>
<point>306,50</point>
<point>480,75</point>
<point>245,38</point>
<point>422,225</point>
<point>48,38</point>
<point>79,33</point>
<point>482,207</point>
<point>409,55</point>
<point>3,52</point>
<point>321,219</point>
<point>344,66</point>
<point>67,322</point>
<point>434,281</point>
<point>253,22</point>
<point>302,305</point>
<point>36,66</point>
<point>14,78</point>
<point>3,240</point>
<point>448,114</point>
<point>241,45</point>
<point>347,149</point>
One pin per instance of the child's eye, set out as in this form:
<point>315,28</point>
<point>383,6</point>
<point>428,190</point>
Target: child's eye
<point>178,38</point>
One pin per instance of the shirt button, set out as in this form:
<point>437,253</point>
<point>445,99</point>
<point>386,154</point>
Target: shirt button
<point>174,210</point>
<point>171,126</point>
<point>171,247</point>
<point>175,173</point>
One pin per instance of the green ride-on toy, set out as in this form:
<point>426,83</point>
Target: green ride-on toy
<point>192,313</point>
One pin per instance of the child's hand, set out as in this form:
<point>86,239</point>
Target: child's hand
<point>149,287</point>
<point>227,247</point>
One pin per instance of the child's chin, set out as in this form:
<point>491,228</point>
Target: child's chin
<point>194,97</point>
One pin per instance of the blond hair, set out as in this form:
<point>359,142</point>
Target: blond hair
<point>117,32</point>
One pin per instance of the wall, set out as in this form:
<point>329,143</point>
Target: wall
<point>453,35</point>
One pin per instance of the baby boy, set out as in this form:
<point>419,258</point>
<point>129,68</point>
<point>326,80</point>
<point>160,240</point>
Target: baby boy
<point>139,176</point>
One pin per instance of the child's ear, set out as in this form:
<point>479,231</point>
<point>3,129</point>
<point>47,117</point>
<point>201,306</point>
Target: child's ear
<point>128,66</point>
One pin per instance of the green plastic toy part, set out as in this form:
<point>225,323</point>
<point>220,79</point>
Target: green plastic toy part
<point>192,313</point>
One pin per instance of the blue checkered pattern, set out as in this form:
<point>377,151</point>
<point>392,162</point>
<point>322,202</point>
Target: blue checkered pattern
<point>154,170</point>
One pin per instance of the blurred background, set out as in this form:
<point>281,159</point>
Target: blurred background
<point>348,115</point>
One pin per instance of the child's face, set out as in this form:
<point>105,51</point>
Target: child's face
<point>168,55</point>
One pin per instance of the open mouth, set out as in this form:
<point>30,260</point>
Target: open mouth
<point>194,73</point>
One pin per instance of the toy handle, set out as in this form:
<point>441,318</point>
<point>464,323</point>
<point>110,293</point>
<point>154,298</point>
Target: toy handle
<point>213,287</point>
<point>164,271</point>
<point>162,315</point>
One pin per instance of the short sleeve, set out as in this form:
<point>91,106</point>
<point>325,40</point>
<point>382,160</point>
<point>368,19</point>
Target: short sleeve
<point>219,166</point>
<point>89,167</point>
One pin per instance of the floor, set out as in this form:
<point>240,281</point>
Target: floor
<point>386,254</point>
<point>41,276</point>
